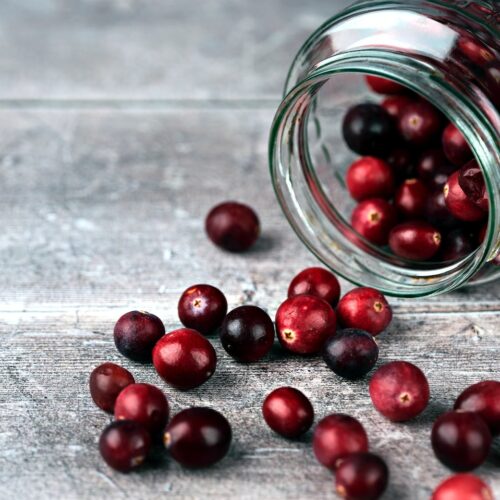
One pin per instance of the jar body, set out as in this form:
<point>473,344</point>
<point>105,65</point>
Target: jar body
<point>427,47</point>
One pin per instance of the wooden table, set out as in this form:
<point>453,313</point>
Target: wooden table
<point>122,123</point>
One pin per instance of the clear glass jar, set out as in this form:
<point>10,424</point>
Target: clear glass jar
<point>419,45</point>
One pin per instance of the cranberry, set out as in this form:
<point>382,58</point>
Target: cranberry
<point>304,322</point>
<point>202,307</point>
<point>143,403</point>
<point>374,219</point>
<point>455,147</point>
<point>461,440</point>
<point>361,476</point>
<point>457,244</point>
<point>383,85</point>
<point>184,358</point>
<point>433,168</point>
<point>124,445</point>
<point>232,226</point>
<point>399,391</point>
<point>482,398</point>
<point>437,213</point>
<point>247,333</point>
<point>370,177</point>
<point>475,51</point>
<point>471,180</point>
<point>351,354</point>
<point>318,282</point>
<point>402,162</point>
<point>462,487</point>
<point>106,382</point>
<point>198,437</point>
<point>337,436</point>
<point>395,105</point>
<point>136,333</point>
<point>288,412</point>
<point>420,123</point>
<point>415,240</point>
<point>368,129</point>
<point>366,309</point>
<point>458,203</point>
<point>410,198</point>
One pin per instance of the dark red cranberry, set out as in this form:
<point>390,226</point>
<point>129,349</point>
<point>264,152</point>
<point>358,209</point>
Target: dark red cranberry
<point>184,358</point>
<point>202,307</point>
<point>370,177</point>
<point>475,51</point>
<point>420,123</point>
<point>482,398</point>
<point>462,487</point>
<point>304,322</point>
<point>455,147</point>
<point>457,244</point>
<point>384,85</point>
<point>410,198</point>
<point>366,309</point>
<point>433,168</point>
<point>143,403</point>
<point>351,353</point>
<point>374,219</point>
<point>437,213</point>
<point>232,226</point>
<point>395,105</point>
<point>458,203</point>
<point>361,476</point>
<point>136,333</point>
<point>471,180</point>
<point>198,437</point>
<point>337,436</point>
<point>124,445</point>
<point>415,240</point>
<point>492,82</point>
<point>247,334</point>
<point>318,282</point>
<point>399,391</point>
<point>402,162</point>
<point>288,412</point>
<point>461,440</point>
<point>106,382</point>
<point>368,130</point>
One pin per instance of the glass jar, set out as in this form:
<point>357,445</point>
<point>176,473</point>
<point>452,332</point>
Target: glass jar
<point>445,51</point>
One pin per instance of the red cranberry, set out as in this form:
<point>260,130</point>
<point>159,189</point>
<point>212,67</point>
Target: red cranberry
<point>351,354</point>
<point>136,333</point>
<point>198,437</point>
<point>395,105</point>
<point>462,487</point>
<point>455,147</point>
<point>232,226</point>
<point>318,282</point>
<point>461,440</point>
<point>383,85</point>
<point>458,203</point>
<point>143,403</point>
<point>184,358</point>
<point>304,322</point>
<point>374,219</point>
<point>366,309</point>
<point>337,436</point>
<point>106,382</point>
<point>471,180</point>
<point>288,412</point>
<point>415,240</point>
<point>202,307</point>
<point>457,244</point>
<point>402,162</point>
<point>482,398</point>
<point>370,177</point>
<point>247,334</point>
<point>124,445</point>
<point>475,51</point>
<point>420,123</point>
<point>437,213</point>
<point>410,198</point>
<point>433,168</point>
<point>399,391</point>
<point>361,476</point>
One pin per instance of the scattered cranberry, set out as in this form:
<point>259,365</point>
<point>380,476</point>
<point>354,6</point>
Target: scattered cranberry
<point>288,412</point>
<point>136,333</point>
<point>395,105</point>
<point>374,219</point>
<point>462,487</point>
<point>318,282</point>
<point>184,358</point>
<point>383,85</point>
<point>106,382</point>
<point>415,240</point>
<point>475,51</point>
<point>420,123</point>
<point>124,445</point>
<point>402,162</point>
<point>434,169</point>
<point>370,177</point>
<point>461,440</point>
<point>399,391</point>
<point>198,437</point>
<point>437,213</point>
<point>232,226</point>
<point>457,244</point>
<point>247,334</point>
<point>455,147</point>
<point>410,198</point>
<point>458,203</point>
<point>471,180</point>
<point>337,436</point>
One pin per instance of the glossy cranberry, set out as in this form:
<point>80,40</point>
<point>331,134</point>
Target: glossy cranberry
<point>399,391</point>
<point>383,85</point>
<point>462,487</point>
<point>106,382</point>
<point>124,445</point>
<point>202,307</point>
<point>415,240</point>
<point>437,213</point>
<point>318,282</point>
<point>471,180</point>
<point>420,123</point>
<point>368,130</point>
<point>458,203</point>
<point>136,333</point>
<point>455,147</point>
<point>370,177</point>
<point>288,412</point>
<point>143,403</point>
<point>395,105</point>
<point>374,219</point>
<point>433,168</point>
<point>410,199</point>
<point>184,358</point>
<point>475,51</point>
<point>402,162</point>
<point>337,436</point>
<point>361,476</point>
<point>304,322</point>
<point>232,226</point>
<point>492,82</point>
<point>457,244</point>
<point>198,437</point>
<point>247,334</point>
<point>366,309</point>
<point>482,398</point>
